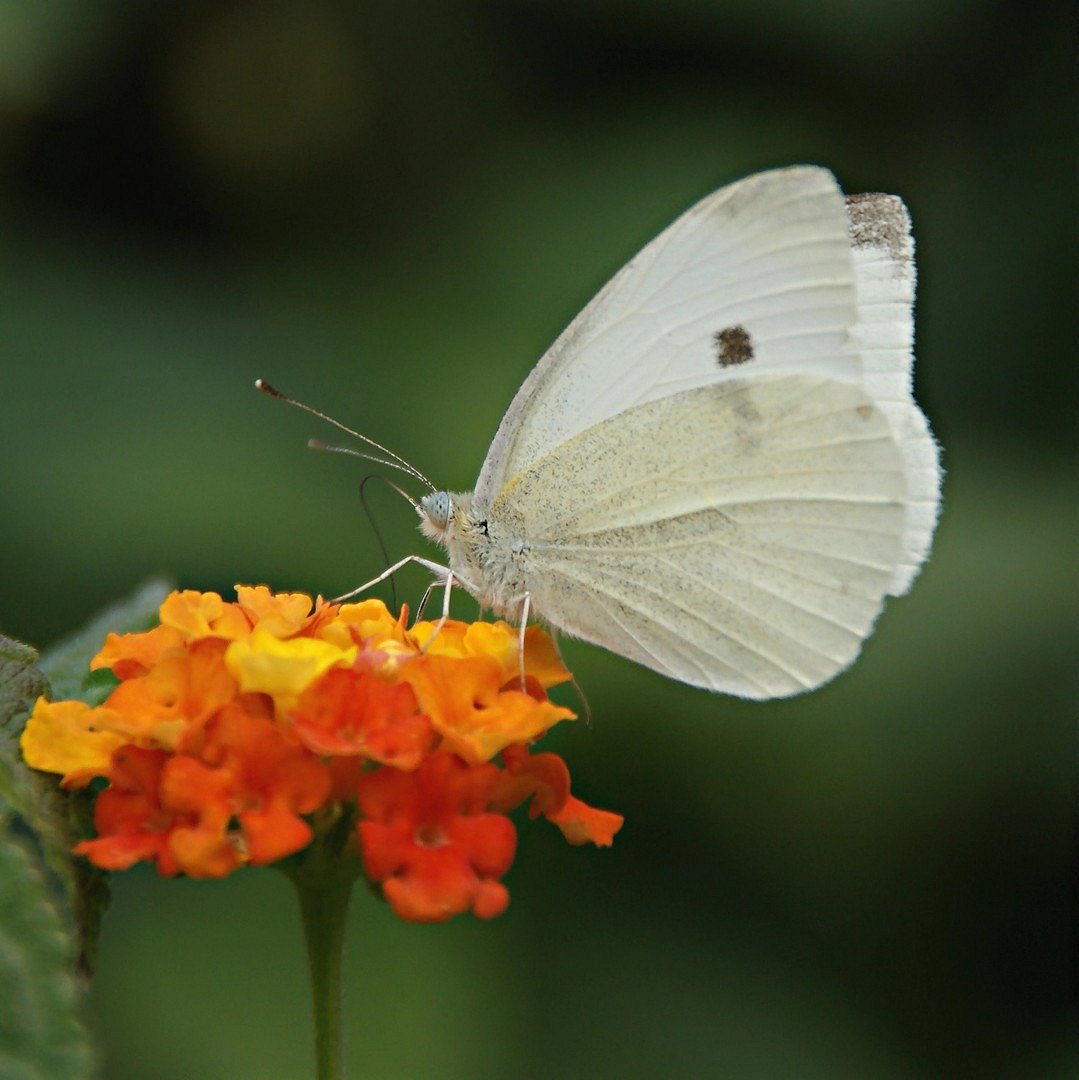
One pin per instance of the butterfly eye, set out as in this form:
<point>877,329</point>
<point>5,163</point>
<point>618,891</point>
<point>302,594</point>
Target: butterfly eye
<point>437,507</point>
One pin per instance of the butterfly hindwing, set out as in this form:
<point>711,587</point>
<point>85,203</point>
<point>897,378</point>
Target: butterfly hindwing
<point>740,536</point>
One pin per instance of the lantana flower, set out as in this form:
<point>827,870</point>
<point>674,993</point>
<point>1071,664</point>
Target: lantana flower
<point>239,732</point>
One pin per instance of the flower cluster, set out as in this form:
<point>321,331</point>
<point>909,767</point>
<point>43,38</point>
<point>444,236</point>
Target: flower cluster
<point>237,729</point>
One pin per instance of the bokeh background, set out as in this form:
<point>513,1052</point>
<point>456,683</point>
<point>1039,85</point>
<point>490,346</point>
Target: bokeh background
<point>389,210</point>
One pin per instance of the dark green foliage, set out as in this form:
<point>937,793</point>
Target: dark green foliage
<point>41,1037</point>
<point>51,902</point>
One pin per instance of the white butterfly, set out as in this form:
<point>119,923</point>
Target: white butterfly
<point>718,469</point>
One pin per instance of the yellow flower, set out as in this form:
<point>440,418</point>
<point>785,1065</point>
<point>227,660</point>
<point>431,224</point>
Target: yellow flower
<point>501,642</point>
<point>263,664</point>
<point>71,738</point>
<point>369,622</point>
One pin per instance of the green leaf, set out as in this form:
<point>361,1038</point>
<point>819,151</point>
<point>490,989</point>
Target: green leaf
<point>40,1033</point>
<point>21,683</point>
<point>67,663</point>
<point>87,885</point>
<point>55,819</point>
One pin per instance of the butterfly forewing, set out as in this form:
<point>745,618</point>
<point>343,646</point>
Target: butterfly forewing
<point>882,251</point>
<point>757,276</point>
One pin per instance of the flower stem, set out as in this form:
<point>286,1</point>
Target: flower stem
<point>323,876</point>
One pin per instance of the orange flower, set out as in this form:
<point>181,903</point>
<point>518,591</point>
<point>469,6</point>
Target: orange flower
<point>129,655</point>
<point>474,716</point>
<point>182,690</point>
<point>545,779</point>
<point>429,840</point>
<point>237,729</point>
<point>501,642</point>
<point>248,772</point>
<point>199,615</point>
<point>351,713</point>
<point>282,614</point>
<point>584,824</point>
<point>241,802</point>
<point>368,623</point>
<point>201,845</point>
<point>131,823</point>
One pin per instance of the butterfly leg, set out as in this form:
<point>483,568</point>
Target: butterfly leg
<point>423,602</point>
<point>436,569</point>
<point>450,578</point>
<point>525,606</point>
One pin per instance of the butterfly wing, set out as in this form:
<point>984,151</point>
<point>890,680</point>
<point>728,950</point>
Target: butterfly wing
<point>739,536</point>
<point>776,273</point>
<point>882,251</point>
<point>765,261</point>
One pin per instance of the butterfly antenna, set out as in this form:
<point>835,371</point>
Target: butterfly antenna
<point>376,530</point>
<point>330,448</point>
<point>395,460</point>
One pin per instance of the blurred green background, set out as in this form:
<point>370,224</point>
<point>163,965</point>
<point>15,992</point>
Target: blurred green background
<point>389,210</point>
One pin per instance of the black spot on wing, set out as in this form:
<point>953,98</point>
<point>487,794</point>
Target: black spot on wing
<point>733,346</point>
<point>876,220</point>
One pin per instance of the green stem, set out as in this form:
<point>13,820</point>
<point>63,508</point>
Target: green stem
<point>323,877</point>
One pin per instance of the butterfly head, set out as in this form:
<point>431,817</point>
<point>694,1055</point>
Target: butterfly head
<point>445,516</point>
<point>436,509</point>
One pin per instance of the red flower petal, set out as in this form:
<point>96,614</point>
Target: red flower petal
<point>351,712</point>
<point>542,777</point>
<point>273,833</point>
<point>545,778</point>
<point>583,824</point>
<point>429,839</point>
<point>130,821</point>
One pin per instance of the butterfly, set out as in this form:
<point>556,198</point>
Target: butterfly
<point>718,469</point>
